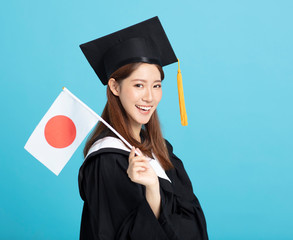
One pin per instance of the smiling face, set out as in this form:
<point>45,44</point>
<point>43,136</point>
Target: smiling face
<point>140,94</point>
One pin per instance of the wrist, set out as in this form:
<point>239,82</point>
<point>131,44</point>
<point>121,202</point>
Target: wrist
<point>153,187</point>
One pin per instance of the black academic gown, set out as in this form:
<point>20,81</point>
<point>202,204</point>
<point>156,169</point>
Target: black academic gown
<point>116,208</point>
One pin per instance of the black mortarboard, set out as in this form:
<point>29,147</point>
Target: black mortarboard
<point>142,42</point>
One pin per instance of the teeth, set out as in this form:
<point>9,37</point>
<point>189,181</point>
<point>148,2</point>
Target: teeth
<point>143,108</point>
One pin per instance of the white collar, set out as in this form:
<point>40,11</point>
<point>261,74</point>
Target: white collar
<point>112,142</point>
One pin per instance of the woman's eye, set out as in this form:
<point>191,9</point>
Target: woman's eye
<point>139,85</point>
<point>157,86</point>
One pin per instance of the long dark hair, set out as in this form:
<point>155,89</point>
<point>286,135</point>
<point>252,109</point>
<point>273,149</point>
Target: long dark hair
<point>116,116</point>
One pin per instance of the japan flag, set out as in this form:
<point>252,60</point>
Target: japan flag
<point>61,131</point>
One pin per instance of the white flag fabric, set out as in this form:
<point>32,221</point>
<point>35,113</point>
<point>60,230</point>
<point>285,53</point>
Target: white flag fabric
<point>61,131</point>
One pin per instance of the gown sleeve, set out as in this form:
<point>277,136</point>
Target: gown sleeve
<point>181,215</point>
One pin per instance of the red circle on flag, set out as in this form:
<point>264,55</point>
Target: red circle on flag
<point>60,131</point>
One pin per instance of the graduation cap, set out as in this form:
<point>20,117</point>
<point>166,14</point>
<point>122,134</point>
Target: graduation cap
<point>143,42</point>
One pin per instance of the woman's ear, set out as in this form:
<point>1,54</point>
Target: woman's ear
<point>114,86</point>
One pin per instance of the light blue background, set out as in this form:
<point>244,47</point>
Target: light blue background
<point>236,61</point>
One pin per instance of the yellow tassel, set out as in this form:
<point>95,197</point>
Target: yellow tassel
<point>183,114</point>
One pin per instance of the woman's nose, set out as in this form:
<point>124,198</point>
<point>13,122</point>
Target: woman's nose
<point>148,95</point>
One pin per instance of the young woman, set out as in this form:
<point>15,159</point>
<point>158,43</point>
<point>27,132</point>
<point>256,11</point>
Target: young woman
<point>129,196</point>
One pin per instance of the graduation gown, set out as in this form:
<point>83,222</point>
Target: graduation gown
<point>116,208</point>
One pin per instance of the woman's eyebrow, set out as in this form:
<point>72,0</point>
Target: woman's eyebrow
<point>143,80</point>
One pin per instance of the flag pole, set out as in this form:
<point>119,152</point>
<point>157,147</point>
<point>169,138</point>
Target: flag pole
<point>101,119</point>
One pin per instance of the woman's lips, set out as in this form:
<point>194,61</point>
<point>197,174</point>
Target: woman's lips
<point>143,109</point>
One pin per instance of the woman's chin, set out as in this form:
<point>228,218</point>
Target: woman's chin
<point>144,120</point>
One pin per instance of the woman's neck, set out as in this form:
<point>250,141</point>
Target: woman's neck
<point>136,132</point>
